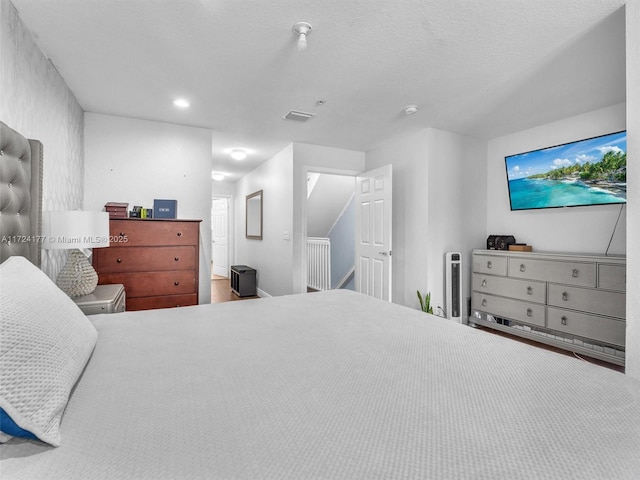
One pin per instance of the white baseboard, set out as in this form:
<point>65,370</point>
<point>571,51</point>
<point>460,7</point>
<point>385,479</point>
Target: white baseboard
<point>262,293</point>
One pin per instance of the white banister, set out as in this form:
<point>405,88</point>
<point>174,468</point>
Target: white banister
<point>319,263</point>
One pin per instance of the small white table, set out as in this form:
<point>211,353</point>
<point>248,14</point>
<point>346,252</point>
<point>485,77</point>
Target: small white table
<point>105,299</point>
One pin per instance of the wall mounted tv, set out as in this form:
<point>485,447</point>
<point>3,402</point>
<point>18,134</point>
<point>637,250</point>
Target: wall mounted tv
<point>585,172</point>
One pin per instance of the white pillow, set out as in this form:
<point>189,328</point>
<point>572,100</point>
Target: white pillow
<point>45,344</point>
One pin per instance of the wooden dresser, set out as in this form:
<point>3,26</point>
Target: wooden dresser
<point>156,261</point>
<point>572,301</point>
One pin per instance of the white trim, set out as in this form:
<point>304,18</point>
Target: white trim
<point>262,293</point>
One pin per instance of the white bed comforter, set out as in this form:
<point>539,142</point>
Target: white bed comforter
<point>331,385</point>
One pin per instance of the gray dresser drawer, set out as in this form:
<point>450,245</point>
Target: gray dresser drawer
<point>569,273</point>
<point>602,302</point>
<point>608,330</point>
<point>527,290</point>
<point>525,312</point>
<point>494,265</point>
<point>612,277</point>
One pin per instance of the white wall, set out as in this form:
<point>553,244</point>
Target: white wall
<point>313,158</point>
<point>438,206</point>
<point>457,196</point>
<point>136,161</point>
<point>35,101</point>
<point>272,256</point>
<point>580,229</point>
<point>633,195</point>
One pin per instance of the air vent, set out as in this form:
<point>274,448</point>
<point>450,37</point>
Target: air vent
<point>298,116</point>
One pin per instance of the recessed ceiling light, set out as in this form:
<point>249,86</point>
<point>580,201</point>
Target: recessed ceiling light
<point>218,177</point>
<point>181,103</point>
<point>238,154</point>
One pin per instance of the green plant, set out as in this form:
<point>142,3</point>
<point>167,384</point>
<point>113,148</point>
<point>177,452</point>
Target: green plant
<point>425,302</point>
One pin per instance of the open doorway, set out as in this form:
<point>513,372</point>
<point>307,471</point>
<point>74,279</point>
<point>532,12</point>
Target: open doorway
<point>331,223</point>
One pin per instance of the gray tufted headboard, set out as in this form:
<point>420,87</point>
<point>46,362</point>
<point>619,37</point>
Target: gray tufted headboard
<point>20,196</point>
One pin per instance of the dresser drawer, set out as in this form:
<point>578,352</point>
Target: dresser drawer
<point>150,232</point>
<point>570,273</point>
<point>607,330</point>
<point>588,300</point>
<point>612,277</point>
<point>146,284</point>
<point>136,259</point>
<point>527,290</point>
<point>494,265</point>
<point>525,312</point>
<point>166,301</point>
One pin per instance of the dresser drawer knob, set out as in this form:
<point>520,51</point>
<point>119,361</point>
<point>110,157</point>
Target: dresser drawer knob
<point>484,302</point>
<point>122,234</point>
<point>529,291</point>
<point>176,259</point>
<point>529,312</point>
<point>522,267</point>
<point>574,274</point>
<point>484,283</point>
<point>176,283</point>
<point>565,296</point>
<point>119,260</point>
<point>563,320</point>
<point>179,234</point>
<point>489,264</point>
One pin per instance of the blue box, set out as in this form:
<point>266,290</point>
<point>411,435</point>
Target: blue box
<point>165,208</point>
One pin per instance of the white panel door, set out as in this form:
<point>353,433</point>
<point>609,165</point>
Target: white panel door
<point>373,233</point>
<point>220,236</point>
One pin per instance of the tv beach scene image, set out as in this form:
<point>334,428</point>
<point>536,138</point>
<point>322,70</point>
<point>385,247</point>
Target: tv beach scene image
<point>585,172</point>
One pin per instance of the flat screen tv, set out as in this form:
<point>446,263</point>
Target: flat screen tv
<point>592,171</point>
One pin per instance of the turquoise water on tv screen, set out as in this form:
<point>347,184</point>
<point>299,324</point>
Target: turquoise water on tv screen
<point>543,193</point>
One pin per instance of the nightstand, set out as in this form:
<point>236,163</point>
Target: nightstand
<point>105,299</point>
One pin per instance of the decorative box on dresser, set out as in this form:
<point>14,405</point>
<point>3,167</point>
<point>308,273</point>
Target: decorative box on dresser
<point>155,259</point>
<point>572,301</point>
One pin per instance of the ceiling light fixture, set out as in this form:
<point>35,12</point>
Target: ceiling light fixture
<point>238,154</point>
<point>302,29</point>
<point>410,109</point>
<point>218,177</point>
<point>181,103</point>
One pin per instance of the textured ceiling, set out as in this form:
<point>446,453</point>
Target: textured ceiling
<point>479,67</point>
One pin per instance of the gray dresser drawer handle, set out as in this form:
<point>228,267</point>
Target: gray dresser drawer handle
<point>484,282</point>
<point>529,312</point>
<point>522,267</point>
<point>175,259</point>
<point>119,260</point>
<point>575,272</point>
<point>179,234</point>
<point>529,291</point>
<point>484,302</point>
<point>489,264</point>
<point>565,296</point>
<point>176,283</point>
<point>563,320</point>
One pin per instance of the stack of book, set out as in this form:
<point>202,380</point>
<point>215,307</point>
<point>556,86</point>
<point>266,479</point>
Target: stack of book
<point>140,212</point>
<point>116,209</point>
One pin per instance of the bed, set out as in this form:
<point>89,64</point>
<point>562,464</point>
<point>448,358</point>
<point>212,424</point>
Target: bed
<point>330,385</point>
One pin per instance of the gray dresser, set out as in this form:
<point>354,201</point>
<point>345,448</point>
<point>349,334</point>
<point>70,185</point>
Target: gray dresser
<point>571,301</point>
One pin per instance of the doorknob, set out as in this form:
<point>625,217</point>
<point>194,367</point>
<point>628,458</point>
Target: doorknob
<point>384,254</point>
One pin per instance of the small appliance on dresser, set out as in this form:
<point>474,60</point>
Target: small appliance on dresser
<point>155,259</point>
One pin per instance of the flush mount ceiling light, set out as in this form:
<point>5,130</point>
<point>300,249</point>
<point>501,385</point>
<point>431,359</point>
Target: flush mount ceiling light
<point>410,109</point>
<point>218,177</point>
<point>181,103</point>
<point>238,154</point>
<point>302,29</point>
